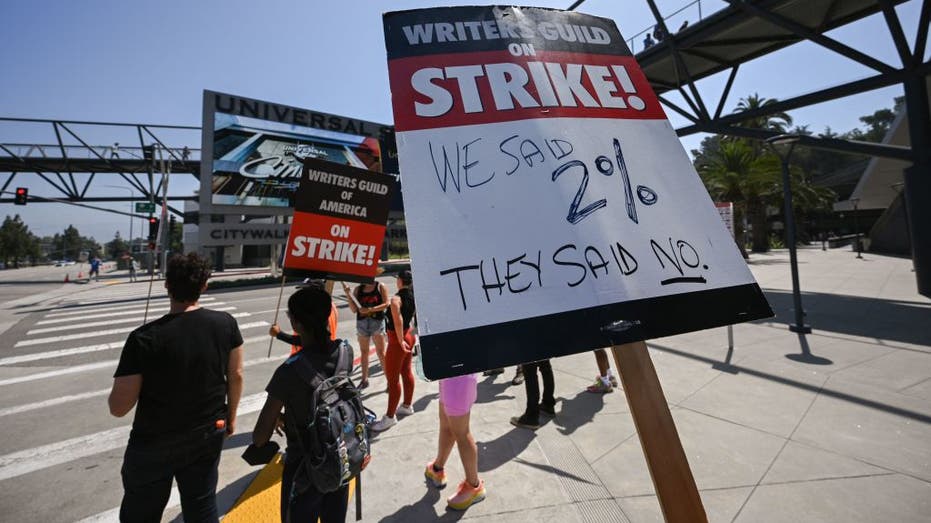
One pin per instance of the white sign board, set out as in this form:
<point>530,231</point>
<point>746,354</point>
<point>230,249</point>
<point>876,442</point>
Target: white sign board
<point>546,195</point>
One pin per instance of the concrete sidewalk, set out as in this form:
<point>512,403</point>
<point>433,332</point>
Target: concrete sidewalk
<point>832,426</point>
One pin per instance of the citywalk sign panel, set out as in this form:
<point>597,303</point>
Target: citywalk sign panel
<point>340,213</point>
<point>550,206</point>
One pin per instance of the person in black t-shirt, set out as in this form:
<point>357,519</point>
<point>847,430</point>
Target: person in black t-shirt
<point>308,310</point>
<point>185,372</point>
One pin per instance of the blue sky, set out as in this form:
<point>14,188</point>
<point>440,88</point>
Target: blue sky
<point>148,62</point>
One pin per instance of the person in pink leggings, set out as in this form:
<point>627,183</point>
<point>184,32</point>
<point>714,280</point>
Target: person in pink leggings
<point>456,398</point>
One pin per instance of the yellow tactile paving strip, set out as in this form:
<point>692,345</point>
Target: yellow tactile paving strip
<point>260,503</point>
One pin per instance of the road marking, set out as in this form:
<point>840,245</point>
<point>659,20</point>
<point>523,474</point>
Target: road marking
<point>92,334</point>
<point>45,456</point>
<point>121,313</point>
<point>12,360</point>
<point>135,319</point>
<point>52,402</point>
<point>98,365</point>
<point>67,310</point>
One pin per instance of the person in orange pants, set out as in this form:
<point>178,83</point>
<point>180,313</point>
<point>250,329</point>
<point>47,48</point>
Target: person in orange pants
<point>398,355</point>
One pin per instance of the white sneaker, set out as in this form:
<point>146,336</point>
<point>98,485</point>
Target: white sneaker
<point>384,423</point>
<point>405,410</point>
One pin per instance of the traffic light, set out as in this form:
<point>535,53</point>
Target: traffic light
<point>153,228</point>
<point>22,195</point>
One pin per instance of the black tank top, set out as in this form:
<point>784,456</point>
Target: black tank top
<point>370,299</point>
<point>407,309</point>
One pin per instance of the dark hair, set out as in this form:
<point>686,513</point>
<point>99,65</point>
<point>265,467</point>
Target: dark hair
<point>406,277</point>
<point>186,276</point>
<point>311,308</point>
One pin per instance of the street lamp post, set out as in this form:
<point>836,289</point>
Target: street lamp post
<point>788,142</point>
<point>130,213</point>
<point>856,228</point>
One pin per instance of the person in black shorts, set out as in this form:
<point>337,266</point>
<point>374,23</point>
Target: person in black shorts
<point>184,370</point>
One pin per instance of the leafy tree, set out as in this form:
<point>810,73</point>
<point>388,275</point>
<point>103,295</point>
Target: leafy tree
<point>117,246</point>
<point>70,243</point>
<point>16,242</point>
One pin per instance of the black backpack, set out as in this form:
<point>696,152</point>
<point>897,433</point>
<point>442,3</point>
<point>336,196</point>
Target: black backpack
<point>335,436</point>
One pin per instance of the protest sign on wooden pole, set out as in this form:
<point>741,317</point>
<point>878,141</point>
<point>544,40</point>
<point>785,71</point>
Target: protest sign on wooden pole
<point>546,193</point>
<point>669,467</point>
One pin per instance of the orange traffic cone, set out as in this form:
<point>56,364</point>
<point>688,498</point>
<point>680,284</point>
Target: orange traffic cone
<point>66,278</point>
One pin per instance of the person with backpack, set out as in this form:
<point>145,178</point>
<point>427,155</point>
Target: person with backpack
<point>325,424</point>
<point>398,356</point>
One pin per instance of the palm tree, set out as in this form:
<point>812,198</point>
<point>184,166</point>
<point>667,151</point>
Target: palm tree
<point>736,173</point>
<point>777,122</point>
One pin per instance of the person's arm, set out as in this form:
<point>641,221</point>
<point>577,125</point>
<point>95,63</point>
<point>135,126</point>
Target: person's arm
<point>233,387</point>
<point>268,420</point>
<point>124,394</point>
<point>276,332</point>
<point>349,298</point>
<point>398,322</point>
<point>383,289</point>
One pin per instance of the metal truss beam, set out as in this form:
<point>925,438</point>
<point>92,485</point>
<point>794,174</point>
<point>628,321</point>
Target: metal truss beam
<point>817,142</point>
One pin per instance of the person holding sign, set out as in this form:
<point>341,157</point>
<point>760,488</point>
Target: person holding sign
<point>398,356</point>
<point>369,301</point>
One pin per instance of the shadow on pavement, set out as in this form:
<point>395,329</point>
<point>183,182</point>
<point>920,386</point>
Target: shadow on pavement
<point>577,411</point>
<point>892,320</point>
<point>423,509</point>
<point>492,454</point>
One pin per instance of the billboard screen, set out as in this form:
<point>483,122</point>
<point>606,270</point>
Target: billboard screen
<point>253,151</point>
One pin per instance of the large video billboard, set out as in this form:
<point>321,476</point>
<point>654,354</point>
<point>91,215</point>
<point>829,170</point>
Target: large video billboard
<point>253,150</point>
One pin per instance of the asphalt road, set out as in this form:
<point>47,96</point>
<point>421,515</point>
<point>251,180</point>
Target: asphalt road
<point>60,449</point>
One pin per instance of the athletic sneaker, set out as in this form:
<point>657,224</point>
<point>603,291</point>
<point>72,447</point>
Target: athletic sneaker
<point>436,478</point>
<point>600,387</point>
<point>525,422</point>
<point>384,423</point>
<point>466,495</point>
<point>404,410</point>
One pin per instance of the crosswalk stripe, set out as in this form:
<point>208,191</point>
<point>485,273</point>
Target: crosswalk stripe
<point>13,360</point>
<point>45,456</point>
<point>19,409</point>
<point>77,397</point>
<point>134,319</point>
<point>101,364</point>
<point>67,311</point>
<point>92,334</point>
<point>123,312</point>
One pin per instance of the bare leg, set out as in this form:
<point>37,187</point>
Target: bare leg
<point>364,353</point>
<point>446,440</point>
<point>601,357</point>
<point>380,343</point>
<point>468,450</point>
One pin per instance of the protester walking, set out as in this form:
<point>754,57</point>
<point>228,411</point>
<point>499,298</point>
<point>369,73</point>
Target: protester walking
<point>369,306</point>
<point>457,395</point>
<point>530,419</point>
<point>185,372</point>
<point>398,355</point>
<point>308,309</point>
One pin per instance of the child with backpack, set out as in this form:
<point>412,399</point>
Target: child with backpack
<point>325,423</point>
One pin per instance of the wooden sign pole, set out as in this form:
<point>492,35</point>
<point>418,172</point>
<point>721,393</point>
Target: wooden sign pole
<point>669,468</point>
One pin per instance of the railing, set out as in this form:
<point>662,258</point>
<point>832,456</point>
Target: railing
<point>109,152</point>
<point>687,14</point>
